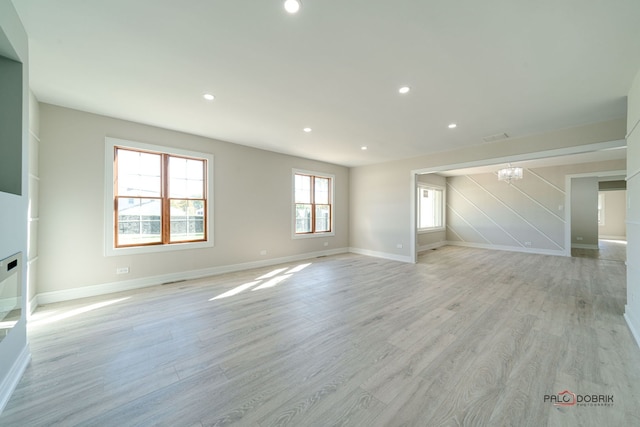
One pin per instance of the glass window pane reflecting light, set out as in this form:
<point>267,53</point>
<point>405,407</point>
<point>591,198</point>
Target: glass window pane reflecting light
<point>430,207</point>
<point>160,198</point>
<point>312,204</point>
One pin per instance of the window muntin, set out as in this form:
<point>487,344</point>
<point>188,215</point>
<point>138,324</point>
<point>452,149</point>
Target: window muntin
<point>159,198</point>
<point>312,204</point>
<point>430,208</point>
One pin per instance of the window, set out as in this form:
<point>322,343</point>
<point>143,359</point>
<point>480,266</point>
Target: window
<point>158,197</point>
<point>313,203</point>
<point>430,208</point>
<point>600,208</point>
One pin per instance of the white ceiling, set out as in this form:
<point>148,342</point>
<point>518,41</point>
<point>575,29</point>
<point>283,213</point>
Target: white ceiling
<point>492,66</point>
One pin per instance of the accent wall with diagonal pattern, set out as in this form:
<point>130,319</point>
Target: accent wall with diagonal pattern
<point>526,215</point>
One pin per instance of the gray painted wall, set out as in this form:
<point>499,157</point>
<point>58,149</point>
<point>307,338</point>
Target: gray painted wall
<point>584,213</point>
<point>252,205</point>
<point>380,215</point>
<point>10,126</point>
<point>523,215</point>
<point>526,215</point>
<point>615,215</point>
<point>632,309</point>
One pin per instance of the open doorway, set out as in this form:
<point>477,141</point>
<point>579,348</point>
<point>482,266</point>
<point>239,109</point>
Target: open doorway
<point>598,219</point>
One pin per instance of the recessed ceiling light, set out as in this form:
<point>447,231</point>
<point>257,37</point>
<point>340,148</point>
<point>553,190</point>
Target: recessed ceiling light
<point>292,6</point>
<point>364,147</point>
<point>307,130</point>
<point>404,89</point>
<point>208,97</point>
<point>453,126</point>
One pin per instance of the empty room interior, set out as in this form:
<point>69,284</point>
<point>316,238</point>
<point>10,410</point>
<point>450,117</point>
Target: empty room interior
<point>319,213</point>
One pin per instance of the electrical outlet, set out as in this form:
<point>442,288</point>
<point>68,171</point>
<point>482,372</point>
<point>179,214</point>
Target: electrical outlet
<point>326,243</point>
<point>122,270</point>
<point>527,244</point>
<point>399,246</point>
<point>263,252</point>
<point>578,238</point>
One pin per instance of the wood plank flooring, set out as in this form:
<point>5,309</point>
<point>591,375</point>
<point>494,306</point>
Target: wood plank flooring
<point>465,337</point>
<point>613,250</point>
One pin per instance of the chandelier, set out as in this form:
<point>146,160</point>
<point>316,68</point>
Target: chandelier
<point>509,174</point>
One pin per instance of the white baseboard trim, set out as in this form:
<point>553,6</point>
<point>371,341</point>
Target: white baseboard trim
<point>127,285</point>
<point>633,324</point>
<point>431,246</point>
<point>613,237</point>
<point>583,246</point>
<point>12,379</point>
<point>385,255</point>
<point>508,248</point>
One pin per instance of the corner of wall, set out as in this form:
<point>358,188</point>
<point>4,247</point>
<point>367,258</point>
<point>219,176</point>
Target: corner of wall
<point>632,309</point>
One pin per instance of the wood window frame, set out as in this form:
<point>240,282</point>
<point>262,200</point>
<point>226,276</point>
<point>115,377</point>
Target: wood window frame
<point>111,245</point>
<point>331,189</point>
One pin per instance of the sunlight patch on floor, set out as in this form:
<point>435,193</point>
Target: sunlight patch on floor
<point>44,320</point>
<point>275,277</point>
<point>236,290</point>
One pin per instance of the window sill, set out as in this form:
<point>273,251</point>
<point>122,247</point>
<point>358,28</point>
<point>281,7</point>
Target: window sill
<point>431,230</point>
<point>312,236</point>
<point>157,248</point>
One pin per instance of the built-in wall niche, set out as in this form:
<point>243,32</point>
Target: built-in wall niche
<point>10,293</point>
<point>10,126</point>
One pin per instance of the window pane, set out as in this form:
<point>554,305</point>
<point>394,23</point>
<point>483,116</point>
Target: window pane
<point>437,208</point>
<point>138,174</point>
<point>323,218</point>
<point>601,208</point>
<point>321,190</point>
<point>186,178</point>
<point>139,221</point>
<point>302,189</point>
<point>303,218</point>
<point>430,207</point>
<point>187,220</point>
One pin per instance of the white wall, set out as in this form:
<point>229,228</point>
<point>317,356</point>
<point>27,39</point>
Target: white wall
<point>34,191</point>
<point>615,215</point>
<point>380,216</point>
<point>632,309</point>
<point>14,351</point>
<point>252,208</point>
<point>584,213</point>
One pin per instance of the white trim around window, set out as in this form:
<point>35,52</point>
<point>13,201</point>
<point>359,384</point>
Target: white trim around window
<point>601,208</point>
<point>439,217</point>
<point>109,220</point>
<point>332,186</point>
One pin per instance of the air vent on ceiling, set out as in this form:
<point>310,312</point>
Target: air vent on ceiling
<point>496,137</point>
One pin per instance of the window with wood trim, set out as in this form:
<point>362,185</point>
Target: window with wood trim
<point>313,204</point>
<point>159,198</point>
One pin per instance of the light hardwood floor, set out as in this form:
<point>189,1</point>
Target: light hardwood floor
<point>613,250</point>
<point>465,337</point>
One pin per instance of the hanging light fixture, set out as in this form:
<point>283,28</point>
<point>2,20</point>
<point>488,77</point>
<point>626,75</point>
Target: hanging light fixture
<point>292,6</point>
<point>509,174</point>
